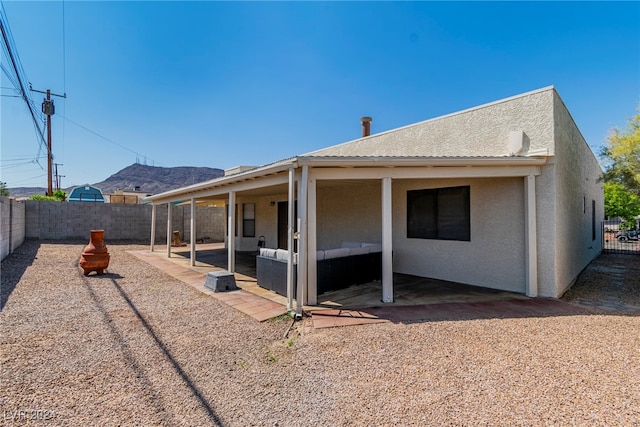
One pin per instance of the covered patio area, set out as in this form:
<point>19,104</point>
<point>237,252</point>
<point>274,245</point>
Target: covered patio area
<point>416,299</point>
<point>408,290</point>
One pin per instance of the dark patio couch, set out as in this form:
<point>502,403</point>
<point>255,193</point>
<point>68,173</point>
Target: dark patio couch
<point>336,268</point>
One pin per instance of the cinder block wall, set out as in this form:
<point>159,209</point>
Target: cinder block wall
<point>12,225</point>
<point>210,222</point>
<point>48,220</point>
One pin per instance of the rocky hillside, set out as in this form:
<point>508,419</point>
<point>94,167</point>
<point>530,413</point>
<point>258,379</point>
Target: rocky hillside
<point>150,179</point>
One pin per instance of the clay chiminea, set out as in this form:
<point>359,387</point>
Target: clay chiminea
<point>95,256</point>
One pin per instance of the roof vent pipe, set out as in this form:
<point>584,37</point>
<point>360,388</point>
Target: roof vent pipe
<point>366,126</point>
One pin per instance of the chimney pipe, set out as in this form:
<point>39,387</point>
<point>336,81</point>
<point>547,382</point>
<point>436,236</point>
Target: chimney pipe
<point>366,126</point>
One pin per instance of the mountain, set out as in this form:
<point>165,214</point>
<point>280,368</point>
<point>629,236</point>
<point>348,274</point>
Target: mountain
<point>154,179</point>
<point>150,179</point>
<point>20,192</point>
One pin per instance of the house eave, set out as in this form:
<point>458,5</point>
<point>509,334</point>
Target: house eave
<point>333,161</point>
<point>186,193</point>
<point>208,188</point>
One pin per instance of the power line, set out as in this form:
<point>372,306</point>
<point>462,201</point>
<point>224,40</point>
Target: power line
<point>26,180</point>
<point>5,159</point>
<point>64,52</point>
<point>15,165</point>
<point>11,79</point>
<point>107,139</point>
<point>64,73</point>
<point>17,68</point>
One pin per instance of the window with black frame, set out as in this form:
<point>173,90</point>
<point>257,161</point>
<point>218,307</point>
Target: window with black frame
<point>248,220</point>
<point>439,213</point>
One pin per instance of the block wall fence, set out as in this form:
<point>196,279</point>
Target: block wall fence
<point>12,225</point>
<point>47,220</point>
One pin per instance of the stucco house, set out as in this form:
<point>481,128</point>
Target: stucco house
<point>505,195</point>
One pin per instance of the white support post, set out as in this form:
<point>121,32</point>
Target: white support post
<point>153,226</point>
<point>169,229</point>
<point>531,240</point>
<point>387,241</point>
<point>312,273</point>
<point>192,232</point>
<point>231,239</point>
<point>290,240</point>
<point>301,296</point>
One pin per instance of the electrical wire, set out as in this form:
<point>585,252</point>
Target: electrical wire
<point>10,78</point>
<point>14,58</point>
<point>107,139</point>
<point>64,75</point>
<point>16,159</point>
<point>64,52</point>
<point>27,180</point>
<point>4,167</point>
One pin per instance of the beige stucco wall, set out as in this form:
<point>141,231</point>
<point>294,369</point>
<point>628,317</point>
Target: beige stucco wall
<point>266,221</point>
<point>480,131</point>
<point>494,257</point>
<point>577,176</point>
<point>351,211</point>
<point>546,230</point>
<point>348,211</point>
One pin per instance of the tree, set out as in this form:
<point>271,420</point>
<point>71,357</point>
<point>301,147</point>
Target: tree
<point>622,156</point>
<point>618,202</point>
<point>4,191</point>
<point>58,196</point>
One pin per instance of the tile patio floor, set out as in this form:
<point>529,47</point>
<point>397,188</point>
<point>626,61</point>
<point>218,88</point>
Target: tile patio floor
<point>415,299</point>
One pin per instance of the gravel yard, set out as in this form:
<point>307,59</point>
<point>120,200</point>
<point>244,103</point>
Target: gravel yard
<point>137,347</point>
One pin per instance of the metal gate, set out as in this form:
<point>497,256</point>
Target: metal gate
<point>619,240</point>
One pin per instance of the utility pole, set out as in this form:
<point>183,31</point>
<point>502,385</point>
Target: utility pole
<point>58,176</point>
<point>49,109</point>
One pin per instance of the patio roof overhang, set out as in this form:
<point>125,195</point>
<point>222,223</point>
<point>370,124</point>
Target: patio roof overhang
<point>335,168</point>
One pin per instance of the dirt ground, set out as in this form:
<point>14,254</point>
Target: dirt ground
<point>610,283</point>
<point>136,347</point>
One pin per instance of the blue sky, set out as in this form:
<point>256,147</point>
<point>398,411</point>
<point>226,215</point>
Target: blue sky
<point>221,84</point>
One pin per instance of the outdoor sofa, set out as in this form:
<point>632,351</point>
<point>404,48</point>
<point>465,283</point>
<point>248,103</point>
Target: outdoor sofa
<point>352,264</point>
